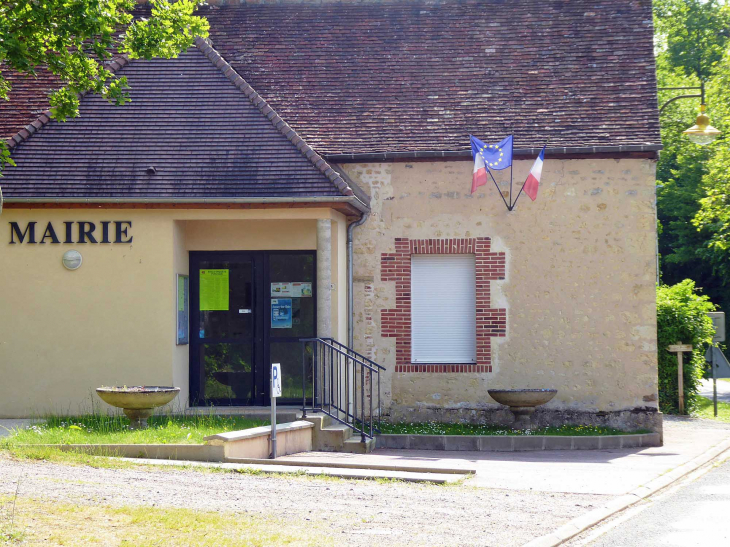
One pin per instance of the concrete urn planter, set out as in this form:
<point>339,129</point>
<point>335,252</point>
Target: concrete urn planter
<point>522,402</point>
<point>137,402</point>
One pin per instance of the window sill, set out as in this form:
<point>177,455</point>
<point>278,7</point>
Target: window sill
<point>444,368</point>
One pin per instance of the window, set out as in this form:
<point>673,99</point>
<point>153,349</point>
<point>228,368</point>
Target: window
<point>443,309</point>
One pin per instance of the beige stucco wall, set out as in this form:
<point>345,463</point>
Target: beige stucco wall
<point>113,321</point>
<point>579,289</point>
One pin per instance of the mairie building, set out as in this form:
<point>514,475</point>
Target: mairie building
<point>305,173</point>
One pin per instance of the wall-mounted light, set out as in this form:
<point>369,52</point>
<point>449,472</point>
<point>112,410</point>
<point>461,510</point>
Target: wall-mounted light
<point>72,259</point>
<point>702,133</point>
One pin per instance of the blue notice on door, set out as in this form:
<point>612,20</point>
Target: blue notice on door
<point>281,313</point>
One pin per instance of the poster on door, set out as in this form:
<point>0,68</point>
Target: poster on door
<point>281,317</point>
<point>293,290</point>
<point>213,290</point>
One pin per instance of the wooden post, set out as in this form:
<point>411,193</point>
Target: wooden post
<point>680,381</point>
<point>679,349</point>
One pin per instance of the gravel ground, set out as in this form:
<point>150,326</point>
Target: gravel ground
<point>355,512</point>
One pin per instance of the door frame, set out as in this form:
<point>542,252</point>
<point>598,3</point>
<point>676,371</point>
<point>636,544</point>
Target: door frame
<point>261,319</point>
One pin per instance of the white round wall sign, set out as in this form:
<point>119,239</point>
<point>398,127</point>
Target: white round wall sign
<point>72,259</point>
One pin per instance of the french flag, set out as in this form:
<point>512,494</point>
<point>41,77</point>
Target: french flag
<point>479,176</point>
<point>533,179</point>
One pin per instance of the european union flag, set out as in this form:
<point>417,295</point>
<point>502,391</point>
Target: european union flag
<point>496,156</point>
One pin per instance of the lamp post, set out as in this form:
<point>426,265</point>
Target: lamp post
<point>702,134</point>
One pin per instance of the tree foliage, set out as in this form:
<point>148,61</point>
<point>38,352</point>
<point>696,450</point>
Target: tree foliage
<point>73,38</point>
<point>713,216</point>
<point>692,34</point>
<point>681,317</point>
<point>693,43</point>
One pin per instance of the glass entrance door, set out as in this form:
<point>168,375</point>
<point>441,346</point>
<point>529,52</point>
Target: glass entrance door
<point>223,337</point>
<point>248,310</point>
<point>293,303</point>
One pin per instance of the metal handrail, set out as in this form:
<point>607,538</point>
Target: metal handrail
<point>359,355</point>
<point>359,358</point>
<point>336,371</point>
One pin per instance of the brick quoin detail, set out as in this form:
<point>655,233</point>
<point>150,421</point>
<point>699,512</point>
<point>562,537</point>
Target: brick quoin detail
<point>396,322</point>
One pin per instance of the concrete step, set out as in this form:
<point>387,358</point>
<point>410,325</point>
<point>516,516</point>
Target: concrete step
<point>353,445</point>
<point>332,436</point>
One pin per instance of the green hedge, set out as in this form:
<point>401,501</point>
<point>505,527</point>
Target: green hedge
<point>681,317</point>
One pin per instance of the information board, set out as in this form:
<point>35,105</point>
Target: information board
<point>293,289</point>
<point>183,309</point>
<point>718,321</point>
<point>214,290</point>
<point>281,317</point>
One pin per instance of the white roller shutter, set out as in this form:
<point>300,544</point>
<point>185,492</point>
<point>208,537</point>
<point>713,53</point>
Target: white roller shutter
<point>443,309</point>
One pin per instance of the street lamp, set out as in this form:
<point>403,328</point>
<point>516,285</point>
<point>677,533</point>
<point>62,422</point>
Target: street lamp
<point>702,133</point>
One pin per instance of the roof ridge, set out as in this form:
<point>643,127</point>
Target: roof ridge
<point>118,62</point>
<point>206,47</point>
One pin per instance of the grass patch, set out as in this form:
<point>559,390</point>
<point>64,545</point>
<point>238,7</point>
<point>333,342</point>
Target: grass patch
<point>435,428</point>
<point>55,455</point>
<point>705,409</point>
<point>40,522</point>
<point>103,429</point>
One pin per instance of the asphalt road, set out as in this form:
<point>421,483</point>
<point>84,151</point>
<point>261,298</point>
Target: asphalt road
<point>723,390</point>
<point>698,514</point>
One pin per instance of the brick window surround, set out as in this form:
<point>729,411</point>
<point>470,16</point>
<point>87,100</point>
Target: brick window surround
<point>396,322</point>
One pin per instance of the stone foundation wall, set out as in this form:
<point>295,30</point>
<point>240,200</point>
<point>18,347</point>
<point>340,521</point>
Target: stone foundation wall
<point>648,419</point>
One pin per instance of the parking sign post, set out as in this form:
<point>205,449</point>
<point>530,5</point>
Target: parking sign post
<point>275,392</point>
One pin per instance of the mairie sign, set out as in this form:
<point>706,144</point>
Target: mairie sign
<point>106,231</point>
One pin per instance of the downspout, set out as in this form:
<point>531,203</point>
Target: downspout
<point>350,282</point>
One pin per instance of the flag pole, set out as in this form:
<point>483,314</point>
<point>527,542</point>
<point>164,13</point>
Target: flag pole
<point>523,184</point>
<point>497,186</point>
<point>511,164</point>
<point>511,205</point>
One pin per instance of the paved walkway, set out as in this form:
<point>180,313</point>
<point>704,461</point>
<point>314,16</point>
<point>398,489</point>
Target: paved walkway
<point>603,472</point>
<point>723,390</point>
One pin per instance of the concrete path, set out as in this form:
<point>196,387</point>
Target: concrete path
<point>723,390</point>
<point>603,472</point>
<point>6,426</point>
<point>695,514</point>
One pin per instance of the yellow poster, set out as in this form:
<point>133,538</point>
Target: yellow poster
<point>213,290</point>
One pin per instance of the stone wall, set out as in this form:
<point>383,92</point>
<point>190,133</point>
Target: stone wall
<point>578,287</point>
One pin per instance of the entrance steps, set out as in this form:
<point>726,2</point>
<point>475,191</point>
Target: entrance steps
<point>329,435</point>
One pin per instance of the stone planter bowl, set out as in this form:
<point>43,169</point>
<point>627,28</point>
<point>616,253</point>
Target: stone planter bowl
<point>522,402</point>
<point>138,402</point>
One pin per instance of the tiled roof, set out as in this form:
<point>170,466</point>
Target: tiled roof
<point>193,121</point>
<point>28,99</point>
<point>414,75</point>
<point>359,77</point>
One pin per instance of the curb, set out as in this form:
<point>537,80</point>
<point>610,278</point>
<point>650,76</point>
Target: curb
<point>590,519</point>
<point>516,443</point>
<point>359,465</point>
<point>342,473</point>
